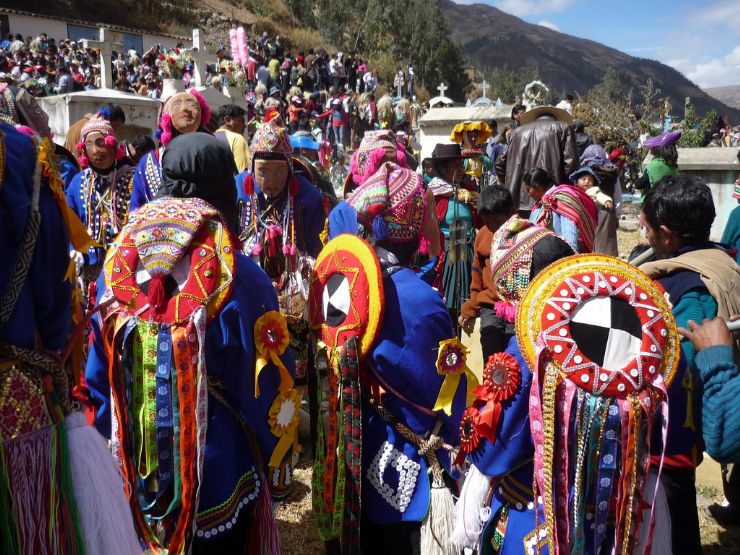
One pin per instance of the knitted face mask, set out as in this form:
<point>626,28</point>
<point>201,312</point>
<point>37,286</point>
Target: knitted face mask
<point>271,176</point>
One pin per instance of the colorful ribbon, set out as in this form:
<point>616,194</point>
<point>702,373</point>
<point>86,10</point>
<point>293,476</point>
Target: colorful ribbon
<point>451,363</point>
<point>501,379</point>
<point>469,437</point>
<point>284,416</point>
<point>271,339</point>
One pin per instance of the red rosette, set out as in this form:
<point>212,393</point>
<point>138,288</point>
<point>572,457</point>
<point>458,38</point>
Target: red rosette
<point>501,379</point>
<point>469,437</point>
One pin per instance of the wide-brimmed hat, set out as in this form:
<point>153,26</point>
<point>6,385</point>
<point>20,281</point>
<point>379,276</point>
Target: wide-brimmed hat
<point>446,151</point>
<point>663,140</point>
<point>558,113</point>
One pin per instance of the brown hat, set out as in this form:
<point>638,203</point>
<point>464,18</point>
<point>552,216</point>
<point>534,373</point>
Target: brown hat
<point>446,151</point>
<point>558,113</point>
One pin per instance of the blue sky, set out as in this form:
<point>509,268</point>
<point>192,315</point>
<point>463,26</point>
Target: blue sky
<point>700,38</point>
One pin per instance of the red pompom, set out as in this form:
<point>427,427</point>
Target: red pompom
<point>80,146</point>
<point>110,141</point>
<point>84,162</point>
<point>156,296</point>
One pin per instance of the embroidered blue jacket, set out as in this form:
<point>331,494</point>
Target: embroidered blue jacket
<point>229,483</point>
<point>45,299</point>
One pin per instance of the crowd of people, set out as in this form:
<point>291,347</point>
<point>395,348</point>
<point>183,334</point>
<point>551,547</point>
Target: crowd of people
<point>182,297</point>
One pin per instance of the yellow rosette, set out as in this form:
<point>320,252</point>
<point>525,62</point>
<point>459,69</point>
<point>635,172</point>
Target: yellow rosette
<point>451,363</point>
<point>271,338</point>
<point>285,414</point>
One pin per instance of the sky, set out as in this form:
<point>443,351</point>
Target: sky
<point>700,38</point>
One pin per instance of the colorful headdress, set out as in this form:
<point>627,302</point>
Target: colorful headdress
<point>165,131</point>
<point>603,347</point>
<point>512,250</point>
<point>391,202</point>
<point>369,156</point>
<point>483,129</point>
<point>271,139</point>
<point>97,124</point>
<point>571,214</point>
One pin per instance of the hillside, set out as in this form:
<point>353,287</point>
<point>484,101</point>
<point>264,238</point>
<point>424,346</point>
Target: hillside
<point>492,38</point>
<point>729,95</point>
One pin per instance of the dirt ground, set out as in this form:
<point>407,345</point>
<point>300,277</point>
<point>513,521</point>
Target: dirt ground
<point>298,531</point>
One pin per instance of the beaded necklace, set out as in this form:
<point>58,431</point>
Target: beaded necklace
<point>105,206</point>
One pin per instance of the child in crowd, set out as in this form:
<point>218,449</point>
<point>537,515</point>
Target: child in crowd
<point>586,179</point>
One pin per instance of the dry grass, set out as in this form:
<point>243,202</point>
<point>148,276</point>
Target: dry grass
<point>295,518</point>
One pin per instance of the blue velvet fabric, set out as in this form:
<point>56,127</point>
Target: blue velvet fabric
<point>143,190</point>
<point>404,357</point>
<point>45,299</point>
<point>230,359</point>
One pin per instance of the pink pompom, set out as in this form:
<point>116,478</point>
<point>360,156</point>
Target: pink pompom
<point>234,47</point>
<point>165,124</point>
<point>293,250</point>
<point>286,249</point>
<point>505,311</point>
<point>241,37</point>
<point>110,141</point>
<point>120,152</point>
<point>205,110</point>
<point>84,162</point>
<point>257,250</point>
<point>80,147</point>
<point>26,130</point>
<point>424,245</point>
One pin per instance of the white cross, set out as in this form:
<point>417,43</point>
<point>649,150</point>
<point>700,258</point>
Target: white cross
<point>200,55</point>
<point>485,87</point>
<point>106,46</point>
<point>442,88</point>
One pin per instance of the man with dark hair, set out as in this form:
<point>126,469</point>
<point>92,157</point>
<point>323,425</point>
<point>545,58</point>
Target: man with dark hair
<point>701,281</point>
<point>495,206</point>
<point>233,122</point>
<point>137,147</point>
<point>516,113</point>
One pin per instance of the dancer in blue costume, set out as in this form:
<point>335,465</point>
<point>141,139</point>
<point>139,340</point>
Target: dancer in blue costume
<point>190,370</point>
<point>281,217</point>
<point>100,193</point>
<point>557,462</point>
<point>58,491</point>
<point>401,415</point>
<point>182,113</point>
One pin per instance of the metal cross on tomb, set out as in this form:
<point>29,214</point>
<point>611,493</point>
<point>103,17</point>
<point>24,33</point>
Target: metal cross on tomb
<point>200,62</point>
<point>442,88</point>
<point>106,46</point>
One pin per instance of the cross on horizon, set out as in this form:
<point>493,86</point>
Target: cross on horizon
<point>106,46</point>
<point>199,54</point>
<point>442,88</point>
<point>485,87</point>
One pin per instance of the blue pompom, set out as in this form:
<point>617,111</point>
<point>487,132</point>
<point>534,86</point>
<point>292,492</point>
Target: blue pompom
<point>104,112</point>
<point>380,228</point>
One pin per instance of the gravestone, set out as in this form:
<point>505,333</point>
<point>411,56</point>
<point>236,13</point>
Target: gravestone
<point>719,168</point>
<point>441,100</point>
<point>437,124</point>
<point>106,47</point>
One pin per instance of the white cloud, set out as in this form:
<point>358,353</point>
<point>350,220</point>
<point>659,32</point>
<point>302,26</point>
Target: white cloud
<point>522,8</point>
<point>711,72</point>
<point>549,25</point>
<point>723,13</point>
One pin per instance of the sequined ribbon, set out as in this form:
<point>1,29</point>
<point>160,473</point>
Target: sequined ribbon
<point>164,424</point>
<point>145,401</point>
<point>606,470</point>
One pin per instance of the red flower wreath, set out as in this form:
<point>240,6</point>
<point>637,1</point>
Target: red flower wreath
<point>501,379</point>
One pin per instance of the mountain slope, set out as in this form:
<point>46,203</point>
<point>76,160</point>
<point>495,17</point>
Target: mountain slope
<point>492,38</point>
<point>729,95</point>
